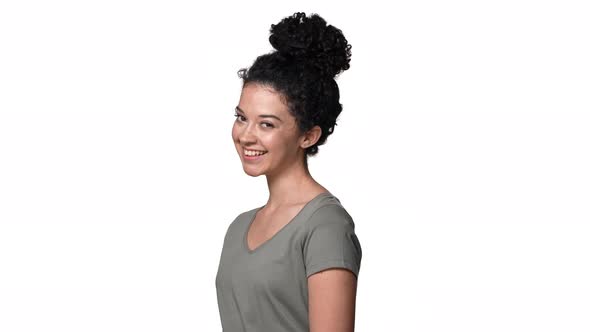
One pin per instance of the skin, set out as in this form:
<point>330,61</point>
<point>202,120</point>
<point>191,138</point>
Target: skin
<point>332,292</point>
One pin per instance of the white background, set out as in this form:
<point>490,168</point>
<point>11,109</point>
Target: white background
<point>462,154</point>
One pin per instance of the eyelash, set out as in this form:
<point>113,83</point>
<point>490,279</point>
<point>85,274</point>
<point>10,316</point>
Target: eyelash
<point>270,125</point>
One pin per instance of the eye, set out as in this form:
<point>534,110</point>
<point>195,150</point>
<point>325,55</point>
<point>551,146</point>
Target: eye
<point>264,124</point>
<point>238,117</point>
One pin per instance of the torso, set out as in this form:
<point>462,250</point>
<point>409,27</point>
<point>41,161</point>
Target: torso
<point>267,289</point>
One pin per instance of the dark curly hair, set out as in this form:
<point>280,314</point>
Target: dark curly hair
<point>308,55</point>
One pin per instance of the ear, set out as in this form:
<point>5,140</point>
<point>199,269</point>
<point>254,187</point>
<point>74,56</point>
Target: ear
<point>310,137</point>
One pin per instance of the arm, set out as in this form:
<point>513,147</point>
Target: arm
<point>332,297</point>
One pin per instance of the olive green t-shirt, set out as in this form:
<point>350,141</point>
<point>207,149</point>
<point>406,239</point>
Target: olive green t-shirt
<point>265,289</point>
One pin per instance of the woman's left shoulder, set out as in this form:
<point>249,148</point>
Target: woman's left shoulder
<point>329,212</point>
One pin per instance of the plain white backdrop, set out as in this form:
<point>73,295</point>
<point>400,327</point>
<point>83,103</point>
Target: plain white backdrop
<point>462,154</point>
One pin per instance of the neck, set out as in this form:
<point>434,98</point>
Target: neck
<point>292,186</point>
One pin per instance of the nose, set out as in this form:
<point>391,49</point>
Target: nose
<point>248,133</point>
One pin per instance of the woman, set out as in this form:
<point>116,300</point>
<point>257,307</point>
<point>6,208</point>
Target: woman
<point>291,264</point>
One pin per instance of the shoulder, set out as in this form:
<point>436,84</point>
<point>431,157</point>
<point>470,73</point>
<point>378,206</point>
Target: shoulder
<point>330,211</point>
<point>241,218</point>
<point>330,240</point>
<point>245,215</point>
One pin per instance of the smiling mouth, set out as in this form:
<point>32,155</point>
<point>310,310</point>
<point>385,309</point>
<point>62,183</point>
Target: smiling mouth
<point>254,153</point>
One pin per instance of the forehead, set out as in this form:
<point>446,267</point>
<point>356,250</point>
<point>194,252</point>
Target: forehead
<point>257,98</point>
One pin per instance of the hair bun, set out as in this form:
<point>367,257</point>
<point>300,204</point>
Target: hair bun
<point>311,40</point>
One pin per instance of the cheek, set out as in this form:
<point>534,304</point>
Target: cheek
<point>234,132</point>
<point>278,143</point>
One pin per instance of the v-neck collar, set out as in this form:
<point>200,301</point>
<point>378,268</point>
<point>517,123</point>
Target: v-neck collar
<point>255,212</point>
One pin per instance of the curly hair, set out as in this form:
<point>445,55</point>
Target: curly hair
<point>308,56</point>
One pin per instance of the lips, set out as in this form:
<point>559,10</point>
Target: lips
<point>253,159</point>
<point>254,153</point>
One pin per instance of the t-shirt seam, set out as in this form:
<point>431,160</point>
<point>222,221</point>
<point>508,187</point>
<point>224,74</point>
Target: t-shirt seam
<point>344,261</point>
<point>340,263</point>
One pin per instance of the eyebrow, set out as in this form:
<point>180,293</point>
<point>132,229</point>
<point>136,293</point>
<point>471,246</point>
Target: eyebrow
<point>261,115</point>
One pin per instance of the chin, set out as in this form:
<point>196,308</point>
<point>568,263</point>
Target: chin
<point>252,173</point>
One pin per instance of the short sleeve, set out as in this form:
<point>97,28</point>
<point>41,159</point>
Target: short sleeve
<point>331,241</point>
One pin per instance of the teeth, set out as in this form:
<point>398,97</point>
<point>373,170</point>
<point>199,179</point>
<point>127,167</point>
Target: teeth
<point>253,153</point>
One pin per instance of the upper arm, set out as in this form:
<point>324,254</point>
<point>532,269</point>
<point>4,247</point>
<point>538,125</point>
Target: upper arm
<point>332,254</point>
<point>332,297</point>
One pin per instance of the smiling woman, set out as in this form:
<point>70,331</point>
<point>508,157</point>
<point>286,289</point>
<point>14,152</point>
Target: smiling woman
<point>293,263</point>
<point>262,128</point>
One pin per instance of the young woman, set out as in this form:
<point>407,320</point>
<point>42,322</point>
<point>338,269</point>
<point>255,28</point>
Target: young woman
<point>293,263</point>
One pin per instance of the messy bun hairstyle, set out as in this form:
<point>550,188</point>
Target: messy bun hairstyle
<point>308,55</point>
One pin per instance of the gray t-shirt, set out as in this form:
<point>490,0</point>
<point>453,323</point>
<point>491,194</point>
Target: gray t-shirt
<point>265,289</point>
